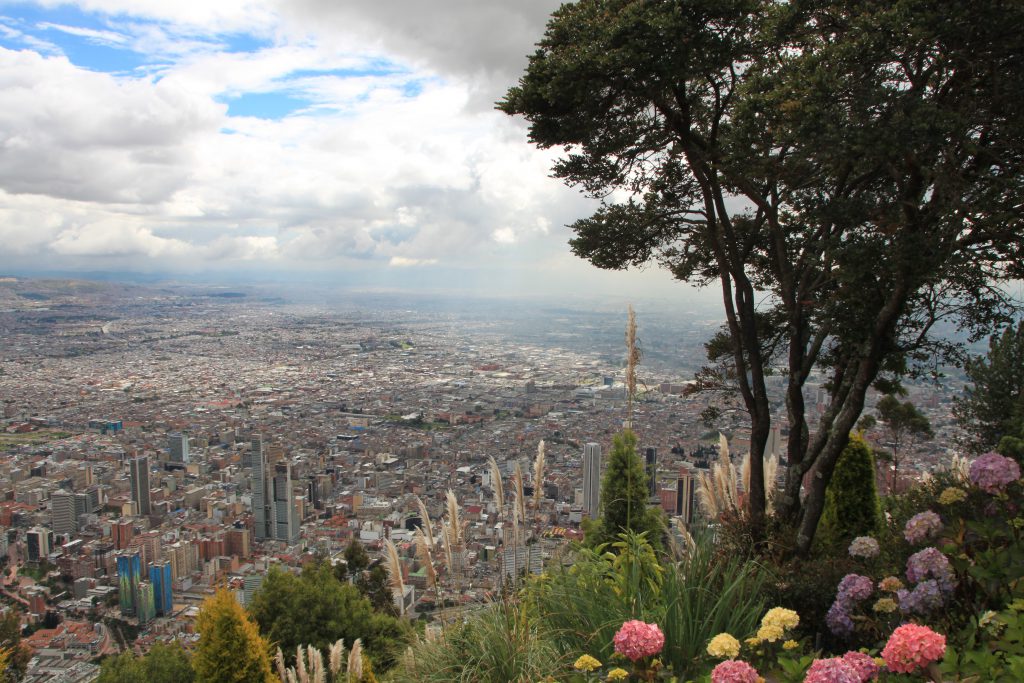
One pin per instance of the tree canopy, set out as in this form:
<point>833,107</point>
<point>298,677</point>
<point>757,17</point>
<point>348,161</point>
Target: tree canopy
<point>849,173</point>
<point>992,408</point>
<point>625,496</point>
<point>230,648</point>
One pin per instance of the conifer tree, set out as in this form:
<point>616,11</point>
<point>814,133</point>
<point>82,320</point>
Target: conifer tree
<point>230,648</point>
<point>851,502</point>
<point>625,494</point>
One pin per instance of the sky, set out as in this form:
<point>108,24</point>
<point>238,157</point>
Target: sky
<point>325,139</point>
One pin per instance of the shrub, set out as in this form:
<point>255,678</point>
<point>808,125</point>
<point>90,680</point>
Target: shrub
<point>851,502</point>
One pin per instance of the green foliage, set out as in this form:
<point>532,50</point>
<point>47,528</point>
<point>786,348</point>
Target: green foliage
<point>162,664</point>
<point>10,639</point>
<point>230,648</point>
<point>993,648</point>
<point>993,408</point>
<point>375,586</point>
<point>705,594</point>
<point>314,608</point>
<point>503,642</point>
<point>356,561</point>
<point>625,496</point>
<point>851,504</point>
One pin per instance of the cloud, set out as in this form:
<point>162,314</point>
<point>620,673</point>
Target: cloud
<point>403,262</point>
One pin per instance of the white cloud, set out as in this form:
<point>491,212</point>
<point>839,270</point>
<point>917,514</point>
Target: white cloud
<point>403,262</point>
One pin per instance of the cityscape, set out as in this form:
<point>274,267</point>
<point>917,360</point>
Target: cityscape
<point>161,441</point>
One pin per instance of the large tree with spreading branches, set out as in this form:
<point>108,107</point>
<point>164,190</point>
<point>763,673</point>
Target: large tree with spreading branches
<point>849,173</point>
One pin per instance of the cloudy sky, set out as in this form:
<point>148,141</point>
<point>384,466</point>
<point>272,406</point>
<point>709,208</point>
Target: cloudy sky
<point>318,138</point>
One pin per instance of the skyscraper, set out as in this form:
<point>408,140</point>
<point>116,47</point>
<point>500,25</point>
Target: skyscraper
<point>651,467</point>
<point>286,525</point>
<point>262,501</point>
<point>160,578</point>
<point>592,479</point>
<point>139,469</point>
<point>178,443</point>
<point>686,501</point>
<point>38,542</point>
<point>129,573</point>
<point>62,512</point>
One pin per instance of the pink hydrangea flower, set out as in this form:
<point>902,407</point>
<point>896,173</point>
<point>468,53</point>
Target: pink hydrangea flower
<point>992,472</point>
<point>911,647</point>
<point>833,670</point>
<point>637,640</point>
<point>922,526</point>
<point>734,671</point>
<point>863,664</point>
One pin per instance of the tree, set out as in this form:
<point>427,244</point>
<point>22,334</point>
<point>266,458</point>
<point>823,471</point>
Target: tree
<point>375,586</point>
<point>625,496</point>
<point>230,648</point>
<point>168,664</point>
<point>851,504</point>
<point>993,408</point>
<point>10,640</point>
<point>356,561</point>
<point>124,668</point>
<point>847,172</point>
<point>904,424</point>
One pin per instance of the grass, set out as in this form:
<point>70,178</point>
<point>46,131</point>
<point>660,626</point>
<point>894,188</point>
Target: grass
<point>31,438</point>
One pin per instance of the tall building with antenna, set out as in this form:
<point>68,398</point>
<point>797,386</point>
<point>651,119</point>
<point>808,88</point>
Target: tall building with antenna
<point>592,480</point>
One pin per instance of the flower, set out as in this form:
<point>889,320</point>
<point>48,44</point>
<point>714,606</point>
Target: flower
<point>885,606</point>
<point>863,664</point>
<point>586,663</point>
<point>890,584</point>
<point>952,494</point>
<point>930,563</point>
<point>864,546</point>
<point>790,645</point>
<point>618,674</point>
<point>854,588</point>
<point>925,598</point>
<point>724,645</point>
<point>780,616</point>
<point>637,639</point>
<point>734,671</point>
<point>839,620</point>
<point>912,646</point>
<point>753,641</point>
<point>770,633</point>
<point>992,472</point>
<point>832,670</point>
<point>922,526</point>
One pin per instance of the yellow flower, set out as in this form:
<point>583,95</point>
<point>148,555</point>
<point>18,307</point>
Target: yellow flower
<point>753,642</point>
<point>724,645</point>
<point>781,617</point>
<point>790,645</point>
<point>952,495</point>
<point>885,605</point>
<point>586,663</point>
<point>770,632</point>
<point>618,674</point>
<point>879,661</point>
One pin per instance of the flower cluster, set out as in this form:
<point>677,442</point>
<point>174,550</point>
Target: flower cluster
<point>724,645</point>
<point>930,563</point>
<point>636,640</point>
<point>832,670</point>
<point>734,671</point>
<point>775,623</point>
<point>992,472</point>
<point>926,597</point>
<point>864,546</point>
<point>852,589</point>
<point>922,526</point>
<point>890,584</point>
<point>951,495</point>
<point>865,666</point>
<point>884,606</point>
<point>911,646</point>
<point>586,663</point>
<point>618,674</point>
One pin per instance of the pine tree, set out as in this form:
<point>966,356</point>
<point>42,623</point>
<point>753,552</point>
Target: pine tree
<point>625,493</point>
<point>230,648</point>
<point>851,502</point>
<point>992,410</point>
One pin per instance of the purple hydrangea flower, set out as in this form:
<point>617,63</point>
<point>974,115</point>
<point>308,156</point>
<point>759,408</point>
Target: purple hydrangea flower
<point>839,620</point>
<point>992,472</point>
<point>854,588</point>
<point>864,546</point>
<point>926,597</point>
<point>922,526</point>
<point>930,563</point>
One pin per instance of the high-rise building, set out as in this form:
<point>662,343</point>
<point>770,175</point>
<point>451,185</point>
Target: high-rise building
<point>178,444</point>
<point>286,523</point>
<point>592,479</point>
<point>145,605</point>
<point>686,495</point>
<point>129,573</point>
<point>255,451</point>
<point>651,467</point>
<point>122,533</point>
<point>38,543</point>
<point>139,470</point>
<point>62,512</point>
<point>262,500</point>
<point>160,578</point>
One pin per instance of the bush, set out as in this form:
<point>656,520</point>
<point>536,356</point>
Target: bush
<point>851,502</point>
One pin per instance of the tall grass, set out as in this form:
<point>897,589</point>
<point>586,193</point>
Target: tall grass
<point>499,644</point>
<point>706,593</point>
